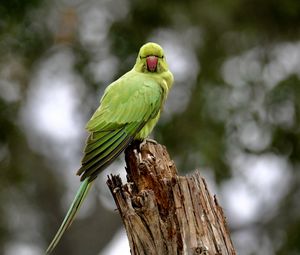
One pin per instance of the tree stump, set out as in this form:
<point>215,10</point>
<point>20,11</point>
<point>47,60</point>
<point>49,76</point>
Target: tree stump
<point>166,214</point>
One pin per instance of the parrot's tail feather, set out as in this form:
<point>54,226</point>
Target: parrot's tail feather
<point>79,198</point>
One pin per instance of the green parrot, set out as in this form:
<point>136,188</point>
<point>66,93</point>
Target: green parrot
<point>129,110</point>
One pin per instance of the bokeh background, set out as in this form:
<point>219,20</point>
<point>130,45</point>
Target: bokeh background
<point>233,113</point>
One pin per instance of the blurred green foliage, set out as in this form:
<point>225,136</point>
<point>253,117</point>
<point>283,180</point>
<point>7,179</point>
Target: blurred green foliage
<point>244,100</point>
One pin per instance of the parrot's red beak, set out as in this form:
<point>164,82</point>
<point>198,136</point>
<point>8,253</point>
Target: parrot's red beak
<point>151,63</point>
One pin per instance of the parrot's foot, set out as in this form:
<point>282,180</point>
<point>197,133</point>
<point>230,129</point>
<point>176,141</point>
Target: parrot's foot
<point>151,141</point>
<point>147,140</point>
<point>116,190</point>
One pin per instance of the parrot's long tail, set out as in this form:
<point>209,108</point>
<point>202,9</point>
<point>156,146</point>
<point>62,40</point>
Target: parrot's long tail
<point>79,198</point>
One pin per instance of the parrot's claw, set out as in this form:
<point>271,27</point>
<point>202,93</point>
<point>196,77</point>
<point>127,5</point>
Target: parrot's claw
<point>116,190</point>
<point>147,140</point>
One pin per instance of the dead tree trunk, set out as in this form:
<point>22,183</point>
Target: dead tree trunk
<point>167,214</point>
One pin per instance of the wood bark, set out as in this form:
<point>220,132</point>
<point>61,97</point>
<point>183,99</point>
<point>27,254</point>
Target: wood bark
<point>164,213</point>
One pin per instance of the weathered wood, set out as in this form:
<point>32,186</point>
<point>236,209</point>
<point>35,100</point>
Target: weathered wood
<point>164,213</point>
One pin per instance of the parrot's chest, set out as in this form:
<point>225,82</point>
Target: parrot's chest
<point>146,130</point>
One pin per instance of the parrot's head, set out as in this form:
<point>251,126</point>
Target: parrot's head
<point>151,59</point>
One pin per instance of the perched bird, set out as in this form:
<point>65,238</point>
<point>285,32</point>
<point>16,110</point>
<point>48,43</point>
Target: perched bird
<point>129,110</point>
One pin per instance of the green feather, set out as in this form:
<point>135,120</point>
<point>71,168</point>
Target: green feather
<point>108,151</point>
<point>100,145</point>
<point>132,98</point>
<point>79,198</point>
<point>103,153</point>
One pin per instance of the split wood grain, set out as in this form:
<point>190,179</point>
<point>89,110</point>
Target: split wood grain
<point>164,213</point>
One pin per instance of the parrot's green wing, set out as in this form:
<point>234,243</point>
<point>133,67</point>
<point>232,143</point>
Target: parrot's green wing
<point>127,105</point>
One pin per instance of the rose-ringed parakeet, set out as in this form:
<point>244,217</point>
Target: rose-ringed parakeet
<point>129,109</point>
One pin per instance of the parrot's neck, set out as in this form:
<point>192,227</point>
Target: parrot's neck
<point>164,79</point>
